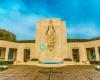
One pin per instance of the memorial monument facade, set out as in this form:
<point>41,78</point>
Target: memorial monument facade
<point>50,47</point>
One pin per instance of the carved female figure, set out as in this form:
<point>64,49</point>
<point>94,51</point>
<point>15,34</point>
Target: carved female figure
<point>51,37</point>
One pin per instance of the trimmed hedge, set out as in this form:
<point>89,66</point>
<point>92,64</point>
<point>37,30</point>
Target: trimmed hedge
<point>25,41</point>
<point>67,59</point>
<point>6,62</point>
<point>95,62</point>
<point>34,59</point>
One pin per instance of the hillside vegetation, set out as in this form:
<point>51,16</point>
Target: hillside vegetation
<point>5,35</point>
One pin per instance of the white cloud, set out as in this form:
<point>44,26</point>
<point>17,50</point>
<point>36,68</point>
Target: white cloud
<point>21,25</point>
<point>87,30</point>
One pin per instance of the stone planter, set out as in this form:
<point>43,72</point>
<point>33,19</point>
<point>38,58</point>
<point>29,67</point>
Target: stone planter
<point>97,67</point>
<point>3,67</point>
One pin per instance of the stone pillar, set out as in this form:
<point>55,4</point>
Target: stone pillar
<point>14,55</point>
<point>82,54</point>
<point>20,54</point>
<point>6,53</point>
<point>97,53</point>
<point>71,54</point>
<point>31,53</point>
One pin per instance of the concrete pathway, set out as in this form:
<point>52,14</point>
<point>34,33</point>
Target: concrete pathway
<point>30,72</point>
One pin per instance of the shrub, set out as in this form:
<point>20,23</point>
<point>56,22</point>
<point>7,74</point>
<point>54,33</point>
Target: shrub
<point>6,62</point>
<point>95,62</point>
<point>67,59</point>
<point>34,59</point>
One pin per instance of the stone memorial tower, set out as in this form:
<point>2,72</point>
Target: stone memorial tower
<point>51,41</point>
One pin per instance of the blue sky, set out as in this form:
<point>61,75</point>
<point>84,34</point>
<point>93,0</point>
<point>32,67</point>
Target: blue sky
<point>19,16</point>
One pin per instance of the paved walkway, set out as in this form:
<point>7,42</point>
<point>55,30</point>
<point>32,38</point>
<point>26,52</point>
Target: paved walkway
<point>38,73</point>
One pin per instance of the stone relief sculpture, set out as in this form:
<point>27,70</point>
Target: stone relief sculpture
<point>51,37</point>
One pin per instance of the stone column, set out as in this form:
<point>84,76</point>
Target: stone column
<point>82,54</point>
<point>6,53</point>
<point>31,53</point>
<point>97,53</point>
<point>71,54</point>
<point>20,54</point>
